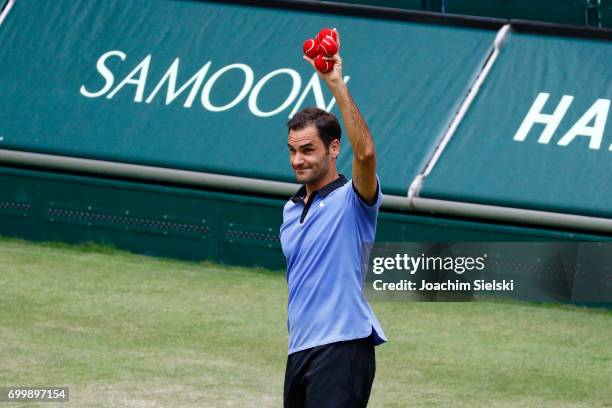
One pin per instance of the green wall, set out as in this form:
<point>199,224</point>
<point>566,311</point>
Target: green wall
<point>575,12</point>
<point>195,224</point>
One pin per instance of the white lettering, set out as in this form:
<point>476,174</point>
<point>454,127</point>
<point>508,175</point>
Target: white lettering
<point>378,269</point>
<point>248,82</point>
<point>535,115</point>
<point>141,71</point>
<point>598,112</point>
<point>174,88</point>
<point>297,83</point>
<point>105,72</point>
<point>416,262</point>
<point>171,76</point>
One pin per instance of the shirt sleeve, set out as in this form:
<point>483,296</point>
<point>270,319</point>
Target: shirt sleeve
<point>359,201</point>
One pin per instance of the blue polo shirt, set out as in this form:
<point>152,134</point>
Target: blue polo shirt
<point>321,241</point>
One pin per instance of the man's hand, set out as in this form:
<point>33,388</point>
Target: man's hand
<point>364,153</point>
<point>335,75</point>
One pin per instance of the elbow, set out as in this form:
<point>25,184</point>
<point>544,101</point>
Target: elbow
<point>366,156</point>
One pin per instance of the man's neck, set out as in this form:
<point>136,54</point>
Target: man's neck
<point>331,176</point>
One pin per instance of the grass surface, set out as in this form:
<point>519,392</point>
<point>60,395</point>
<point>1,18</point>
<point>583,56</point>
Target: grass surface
<point>131,331</point>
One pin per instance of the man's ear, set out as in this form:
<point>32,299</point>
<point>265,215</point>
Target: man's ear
<point>334,148</point>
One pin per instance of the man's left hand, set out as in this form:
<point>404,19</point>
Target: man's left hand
<point>335,75</point>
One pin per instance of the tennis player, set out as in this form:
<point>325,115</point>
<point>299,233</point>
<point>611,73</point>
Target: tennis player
<point>332,328</point>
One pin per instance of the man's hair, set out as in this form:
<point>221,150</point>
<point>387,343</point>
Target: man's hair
<point>326,124</point>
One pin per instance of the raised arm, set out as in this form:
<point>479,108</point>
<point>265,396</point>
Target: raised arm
<point>364,152</point>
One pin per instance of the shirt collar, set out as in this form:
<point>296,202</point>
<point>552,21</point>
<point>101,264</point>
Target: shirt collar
<point>323,191</point>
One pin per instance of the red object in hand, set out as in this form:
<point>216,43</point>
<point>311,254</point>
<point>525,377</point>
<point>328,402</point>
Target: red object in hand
<point>327,32</point>
<point>328,46</point>
<point>323,65</point>
<point>311,48</point>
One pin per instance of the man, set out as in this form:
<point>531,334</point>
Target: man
<point>332,328</point>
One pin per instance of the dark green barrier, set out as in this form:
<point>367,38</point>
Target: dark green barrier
<point>575,12</point>
<point>606,13</point>
<point>538,135</point>
<point>91,79</point>
<point>147,219</point>
<point>555,11</point>
<point>425,5</point>
<point>195,224</point>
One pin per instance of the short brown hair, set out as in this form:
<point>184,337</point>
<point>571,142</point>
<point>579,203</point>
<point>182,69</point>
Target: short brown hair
<point>326,124</point>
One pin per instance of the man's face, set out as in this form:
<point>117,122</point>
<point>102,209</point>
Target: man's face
<point>308,156</point>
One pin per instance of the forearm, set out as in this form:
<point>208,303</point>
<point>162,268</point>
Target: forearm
<point>364,153</point>
<point>356,128</point>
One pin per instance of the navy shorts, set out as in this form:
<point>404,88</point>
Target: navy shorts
<point>336,375</point>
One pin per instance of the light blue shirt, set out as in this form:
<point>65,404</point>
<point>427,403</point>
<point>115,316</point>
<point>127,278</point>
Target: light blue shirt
<point>322,246</point>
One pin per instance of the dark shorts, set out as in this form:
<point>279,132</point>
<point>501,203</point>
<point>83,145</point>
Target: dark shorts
<point>335,375</point>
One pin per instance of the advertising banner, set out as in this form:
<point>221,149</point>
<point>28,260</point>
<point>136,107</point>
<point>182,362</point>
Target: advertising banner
<point>210,86</point>
<point>538,135</point>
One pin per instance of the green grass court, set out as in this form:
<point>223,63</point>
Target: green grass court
<point>132,331</point>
